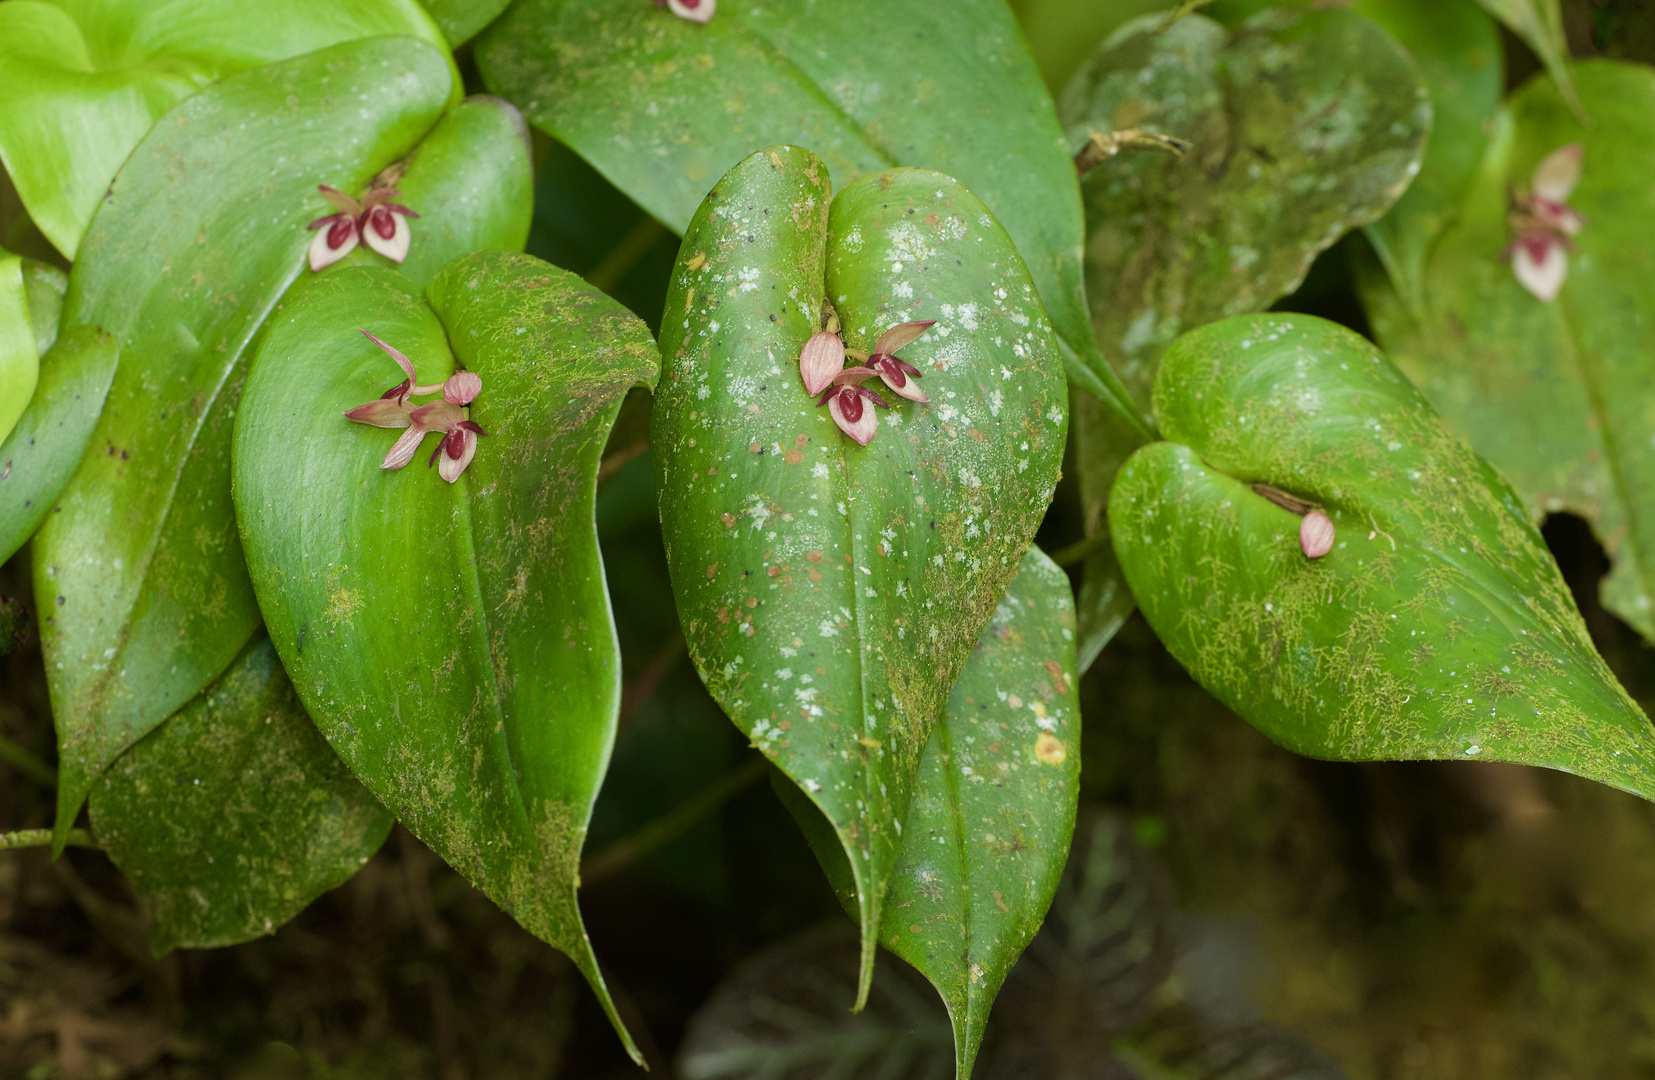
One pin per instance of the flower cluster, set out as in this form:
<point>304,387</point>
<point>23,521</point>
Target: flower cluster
<point>822,366</point>
<point>448,416</point>
<point>694,10</point>
<point>375,219</point>
<point>1542,222</point>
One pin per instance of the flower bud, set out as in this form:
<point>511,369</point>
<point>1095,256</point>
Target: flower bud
<point>1316,534</point>
<point>822,357</point>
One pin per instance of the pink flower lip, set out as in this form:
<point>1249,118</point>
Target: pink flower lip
<point>374,220</point>
<point>699,11</point>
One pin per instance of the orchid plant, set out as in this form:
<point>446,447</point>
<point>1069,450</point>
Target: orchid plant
<point>448,417</point>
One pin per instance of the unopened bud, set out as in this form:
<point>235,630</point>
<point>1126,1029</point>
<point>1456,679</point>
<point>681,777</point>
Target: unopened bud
<point>1316,534</point>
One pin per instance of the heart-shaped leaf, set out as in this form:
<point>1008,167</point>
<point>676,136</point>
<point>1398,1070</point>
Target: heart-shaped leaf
<point>1304,125</point>
<point>143,551</point>
<point>662,107</point>
<point>234,814</point>
<point>82,81</point>
<point>1437,626</point>
<point>1556,394</point>
<point>452,641</point>
<point>830,593</point>
<point>987,833</point>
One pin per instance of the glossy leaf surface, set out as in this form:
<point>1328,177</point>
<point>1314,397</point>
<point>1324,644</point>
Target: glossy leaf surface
<point>44,285</point>
<point>51,436</point>
<point>19,356</point>
<point>452,641</point>
<point>173,605</point>
<point>987,833</point>
<point>1304,124</point>
<point>234,814</point>
<point>82,81</point>
<point>1437,627</point>
<point>831,593</point>
<point>460,20</point>
<point>663,107</point>
<point>1557,395</point>
<point>1456,46</point>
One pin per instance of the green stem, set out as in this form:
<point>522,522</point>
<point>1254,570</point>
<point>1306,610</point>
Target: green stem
<point>27,838</point>
<point>1080,549</point>
<point>607,274</point>
<point>623,853</point>
<point>27,764</point>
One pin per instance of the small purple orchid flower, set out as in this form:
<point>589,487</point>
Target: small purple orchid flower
<point>894,370</point>
<point>376,220</point>
<point>448,416</point>
<point>694,10</point>
<point>1543,224</point>
<point>844,400</point>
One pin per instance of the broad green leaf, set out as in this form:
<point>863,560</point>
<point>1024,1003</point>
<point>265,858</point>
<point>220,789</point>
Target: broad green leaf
<point>663,107</point>
<point>831,593</point>
<point>1540,24</point>
<point>51,436</point>
<point>1305,125</point>
<point>19,355</point>
<point>144,550</point>
<point>460,20</point>
<point>81,81</point>
<point>1437,627</point>
<point>987,833</point>
<point>234,814</point>
<point>1457,48</point>
<point>1557,395</point>
<point>452,641</point>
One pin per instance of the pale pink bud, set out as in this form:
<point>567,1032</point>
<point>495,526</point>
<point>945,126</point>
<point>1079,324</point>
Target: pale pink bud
<point>822,357</point>
<point>1316,534</point>
<point>461,387</point>
<point>1557,174</point>
<point>694,10</point>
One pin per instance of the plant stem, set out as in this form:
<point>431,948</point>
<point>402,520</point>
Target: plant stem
<point>1080,549</point>
<point>607,274</point>
<point>27,838</point>
<point>27,764</point>
<point>623,853</point>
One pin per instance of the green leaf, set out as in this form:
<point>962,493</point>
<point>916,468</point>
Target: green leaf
<point>51,436</point>
<point>1305,125</point>
<point>452,641</point>
<point>460,20</point>
<point>987,833</point>
<point>19,355</point>
<point>1540,24</point>
<point>663,107</point>
<point>144,549</point>
<point>1457,48</point>
<point>234,814</point>
<point>81,81</point>
<point>831,593</point>
<point>44,286</point>
<point>1437,627</point>
<point>1555,394</point>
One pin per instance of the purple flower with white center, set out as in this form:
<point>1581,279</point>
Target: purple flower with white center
<point>851,405</point>
<point>375,220</point>
<point>1543,224</point>
<point>895,371</point>
<point>448,416</point>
